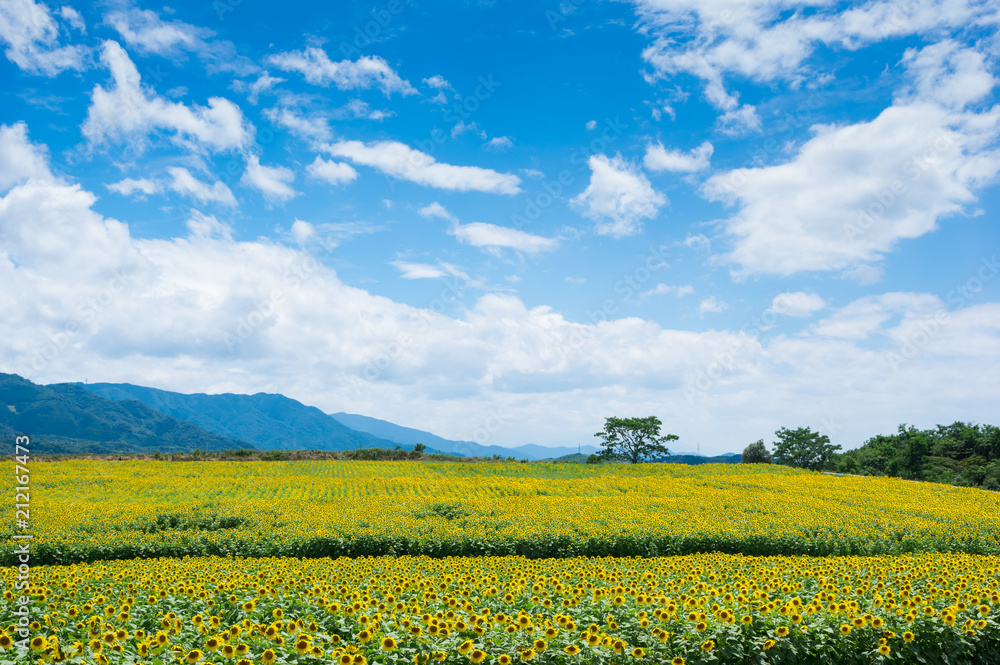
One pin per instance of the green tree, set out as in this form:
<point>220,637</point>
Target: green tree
<point>419,448</point>
<point>803,448</point>
<point>756,453</point>
<point>634,440</point>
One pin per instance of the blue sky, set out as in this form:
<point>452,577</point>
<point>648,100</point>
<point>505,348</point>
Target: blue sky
<point>504,222</point>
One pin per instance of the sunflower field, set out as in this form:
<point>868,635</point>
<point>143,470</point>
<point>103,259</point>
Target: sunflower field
<point>350,563</point>
<point>92,510</point>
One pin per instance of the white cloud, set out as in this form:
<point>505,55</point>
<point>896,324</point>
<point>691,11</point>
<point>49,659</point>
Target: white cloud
<point>143,30</point>
<point>314,128</point>
<point>437,82</point>
<point>411,270</point>
<point>400,161</point>
<point>480,234</point>
<point>435,209</point>
<point>462,128</point>
<point>664,289</point>
<point>357,108</point>
<point>32,38</point>
<point>659,158</point>
<point>187,185</point>
<point>419,270</point>
<point>335,173</point>
<point>73,17</point>
<point>712,304</point>
<point>177,326</point>
<point>949,74</point>
<point>128,112</point>
<point>274,182</point>
<point>263,83</point>
<point>499,143</point>
<point>208,227</point>
<point>768,40</point>
<point>739,121</point>
<point>852,192</point>
<point>19,160</point>
<point>128,186</point>
<point>363,73</point>
<point>618,197</point>
<point>797,303</point>
<point>866,316</point>
<point>591,125</point>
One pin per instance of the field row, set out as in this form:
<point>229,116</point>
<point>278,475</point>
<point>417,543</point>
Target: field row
<point>694,609</point>
<point>88,511</point>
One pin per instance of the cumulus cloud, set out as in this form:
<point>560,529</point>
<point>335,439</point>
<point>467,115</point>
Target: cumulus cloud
<point>866,316</point>
<point>19,160</point>
<point>357,108</point>
<point>143,30</point>
<point>411,270</point>
<point>797,303</point>
<point>659,158</point>
<point>852,192</point>
<point>313,128</point>
<point>274,182</point>
<point>435,209</point>
<point>763,41</point>
<point>618,197</point>
<point>205,312</point>
<point>663,289</point>
<point>74,18</point>
<point>253,90</point>
<point>128,186</point>
<point>187,185</point>
<point>335,173</point>
<point>400,161</point>
<point>207,227</point>
<point>126,111</point>
<point>437,82</point>
<point>32,38</point>
<point>499,144</point>
<point>365,72</point>
<point>480,234</point>
<point>712,304</point>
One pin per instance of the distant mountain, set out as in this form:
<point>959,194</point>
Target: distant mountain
<point>271,422</point>
<point>66,419</point>
<point>410,436</point>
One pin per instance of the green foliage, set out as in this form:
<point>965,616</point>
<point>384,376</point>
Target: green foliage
<point>958,454</point>
<point>804,448</point>
<point>756,453</point>
<point>419,448</point>
<point>634,440</point>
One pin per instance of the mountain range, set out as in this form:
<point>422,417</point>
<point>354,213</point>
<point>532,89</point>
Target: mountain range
<point>67,419</point>
<point>75,418</point>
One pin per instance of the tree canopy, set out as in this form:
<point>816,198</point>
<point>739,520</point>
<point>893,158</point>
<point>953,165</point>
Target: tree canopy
<point>756,453</point>
<point>634,440</point>
<point>804,448</point>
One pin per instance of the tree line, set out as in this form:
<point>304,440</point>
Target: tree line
<point>964,454</point>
